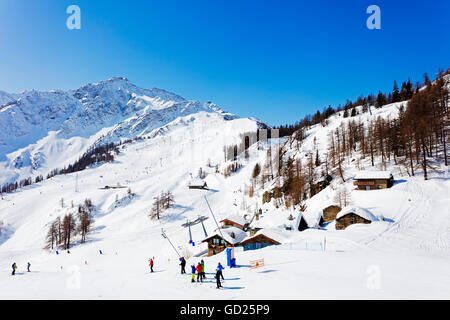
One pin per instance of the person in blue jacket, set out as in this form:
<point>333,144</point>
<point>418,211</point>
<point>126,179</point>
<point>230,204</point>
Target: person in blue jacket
<point>218,272</point>
<point>220,268</point>
<point>193,273</point>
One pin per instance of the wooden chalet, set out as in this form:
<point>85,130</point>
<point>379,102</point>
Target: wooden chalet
<point>224,238</point>
<point>261,239</point>
<point>354,215</point>
<point>373,180</point>
<point>203,186</point>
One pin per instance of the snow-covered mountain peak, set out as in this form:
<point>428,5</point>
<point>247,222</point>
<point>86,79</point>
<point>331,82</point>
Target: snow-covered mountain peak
<point>44,125</point>
<point>123,87</point>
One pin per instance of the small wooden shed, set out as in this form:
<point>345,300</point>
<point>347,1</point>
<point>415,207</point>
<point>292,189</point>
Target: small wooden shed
<point>373,180</point>
<point>203,186</point>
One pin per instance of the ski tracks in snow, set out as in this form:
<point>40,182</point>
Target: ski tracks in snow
<point>419,227</point>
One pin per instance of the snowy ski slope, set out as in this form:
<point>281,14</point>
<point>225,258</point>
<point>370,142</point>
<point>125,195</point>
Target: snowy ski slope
<point>406,256</point>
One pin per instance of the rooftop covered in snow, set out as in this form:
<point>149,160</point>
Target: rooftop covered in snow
<point>235,219</point>
<point>232,235</point>
<point>272,233</point>
<point>362,212</point>
<point>361,175</point>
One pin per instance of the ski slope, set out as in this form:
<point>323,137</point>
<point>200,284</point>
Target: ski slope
<point>406,256</point>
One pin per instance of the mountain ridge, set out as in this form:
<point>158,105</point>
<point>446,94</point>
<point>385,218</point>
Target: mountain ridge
<point>41,123</point>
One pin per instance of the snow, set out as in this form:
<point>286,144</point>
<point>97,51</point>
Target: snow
<point>237,219</point>
<point>5,98</point>
<point>272,233</point>
<point>373,175</point>
<point>45,125</point>
<point>407,252</point>
<point>361,212</point>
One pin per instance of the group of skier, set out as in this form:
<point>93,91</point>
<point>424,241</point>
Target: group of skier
<point>198,270</point>
<point>201,275</point>
<point>14,268</point>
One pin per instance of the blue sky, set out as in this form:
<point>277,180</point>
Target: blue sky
<point>275,60</point>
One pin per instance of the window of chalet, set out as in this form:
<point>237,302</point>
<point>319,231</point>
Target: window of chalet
<point>218,242</point>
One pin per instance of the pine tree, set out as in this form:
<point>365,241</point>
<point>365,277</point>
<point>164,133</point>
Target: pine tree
<point>345,115</point>
<point>395,93</point>
<point>409,89</point>
<point>381,100</point>
<point>317,162</point>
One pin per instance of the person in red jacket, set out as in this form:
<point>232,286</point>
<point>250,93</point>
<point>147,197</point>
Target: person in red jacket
<point>151,264</point>
<point>199,272</point>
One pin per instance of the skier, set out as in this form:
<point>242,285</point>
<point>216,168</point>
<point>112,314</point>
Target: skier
<point>218,272</point>
<point>28,267</point>
<point>14,267</point>
<point>220,268</point>
<point>193,273</point>
<point>199,272</point>
<point>183,265</point>
<point>203,269</point>
<point>151,264</point>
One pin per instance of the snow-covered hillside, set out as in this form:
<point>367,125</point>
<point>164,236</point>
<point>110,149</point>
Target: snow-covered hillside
<point>404,255</point>
<point>47,130</point>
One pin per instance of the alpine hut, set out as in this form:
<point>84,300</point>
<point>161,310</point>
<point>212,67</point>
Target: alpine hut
<point>352,214</point>
<point>224,238</point>
<point>372,180</point>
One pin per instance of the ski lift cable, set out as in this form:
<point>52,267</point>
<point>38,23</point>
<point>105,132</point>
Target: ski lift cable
<point>213,217</point>
<point>203,226</point>
<point>190,233</point>
<point>166,237</point>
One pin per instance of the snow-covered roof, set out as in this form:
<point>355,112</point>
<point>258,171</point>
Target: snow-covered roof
<point>373,175</point>
<point>313,218</point>
<point>298,220</point>
<point>237,219</point>
<point>239,235</point>
<point>362,212</point>
<point>261,223</point>
<point>272,233</point>
<point>196,182</point>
